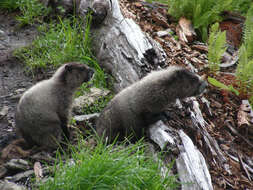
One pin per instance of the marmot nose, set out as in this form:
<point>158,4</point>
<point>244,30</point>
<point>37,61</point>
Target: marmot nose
<point>90,74</point>
<point>203,86</point>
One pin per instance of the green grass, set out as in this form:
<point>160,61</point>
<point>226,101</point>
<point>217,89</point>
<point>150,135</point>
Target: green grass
<point>9,5</point>
<point>109,167</point>
<point>32,11</point>
<point>61,42</point>
<point>98,105</point>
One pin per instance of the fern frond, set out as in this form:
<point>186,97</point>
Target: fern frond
<point>216,47</point>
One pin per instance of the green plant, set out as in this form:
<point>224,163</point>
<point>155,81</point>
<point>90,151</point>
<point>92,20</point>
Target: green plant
<point>9,4</point>
<point>201,12</point>
<point>98,105</point>
<point>220,85</point>
<point>244,70</point>
<point>216,47</point>
<point>241,6</point>
<point>32,11</point>
<point>58,43</point>
<point>109,167</point>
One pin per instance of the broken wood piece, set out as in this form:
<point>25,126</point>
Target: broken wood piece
<point>231,62</point>
<point>243,166</point>
<point>245,114</point>
<point>250,169</point>
<point>199,123</point>
<point>245,119</point>
<point>185,30</point>
<point>191,166</point>
<point>160,136</point>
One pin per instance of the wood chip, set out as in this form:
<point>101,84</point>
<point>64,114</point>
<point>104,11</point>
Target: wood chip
<point>242,115</point>
<point>160,19</point>
<point>185,30</point>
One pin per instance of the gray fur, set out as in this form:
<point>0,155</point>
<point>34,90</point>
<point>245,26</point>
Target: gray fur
<point>43,110</point>
<point>131,109</point>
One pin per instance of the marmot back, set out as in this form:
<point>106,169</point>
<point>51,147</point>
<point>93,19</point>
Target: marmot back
<point>131,110</point>
<point>43,111</point>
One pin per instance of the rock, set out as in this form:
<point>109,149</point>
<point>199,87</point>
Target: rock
<point>20,176</point>
<point>17,164</point>
<point>3,171</point>
<point>4,111</point>
<point>89,117</point>
<point>6,185</point>
<point>88,99</point>
<point>43,156</point>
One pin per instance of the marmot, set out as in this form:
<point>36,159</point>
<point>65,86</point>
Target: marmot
<point>43,111</point>
<point>132,109</point>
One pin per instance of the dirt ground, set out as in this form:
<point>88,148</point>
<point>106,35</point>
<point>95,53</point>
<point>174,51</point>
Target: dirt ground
<point>13,79</point>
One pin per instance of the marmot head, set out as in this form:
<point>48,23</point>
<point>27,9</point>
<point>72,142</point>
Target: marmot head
<point>190,84</point>
<point>74,74</point>
<point>181,83</point>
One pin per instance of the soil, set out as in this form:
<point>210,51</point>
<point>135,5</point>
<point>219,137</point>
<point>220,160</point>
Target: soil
<point>224,105</point>
<point>13,79</point>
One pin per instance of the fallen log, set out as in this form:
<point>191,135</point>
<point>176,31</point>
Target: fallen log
<point>120,46</point>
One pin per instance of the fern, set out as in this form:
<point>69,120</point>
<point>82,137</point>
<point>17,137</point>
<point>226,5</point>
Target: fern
<point>216,47</point>
<point>244,70</point>
<point>248,34</point>
<point>201,12</point>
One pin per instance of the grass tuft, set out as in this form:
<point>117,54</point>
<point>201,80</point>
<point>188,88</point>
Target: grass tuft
<point>9,5</point>
<point>109,167</point>
<point>32,11</point>
<point>58,43</point>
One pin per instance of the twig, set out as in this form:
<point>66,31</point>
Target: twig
<point>238,134</point>
<point>243,166</point>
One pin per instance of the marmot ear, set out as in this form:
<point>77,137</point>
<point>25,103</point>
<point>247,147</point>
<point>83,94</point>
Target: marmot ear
<point>68,68</point>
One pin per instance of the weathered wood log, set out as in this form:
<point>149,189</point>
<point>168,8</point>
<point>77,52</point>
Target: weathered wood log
<point>120,46</point>
<point>191,166</point>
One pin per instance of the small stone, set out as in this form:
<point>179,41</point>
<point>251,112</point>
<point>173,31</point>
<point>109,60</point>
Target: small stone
<point>43,156</point>
<point>89,117</point>
<point>6,185</point>
<point>20,176</point>
<point>88,99</point>
<point>3,171</point>
<point>4,111</point>
<point>17,164</point>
